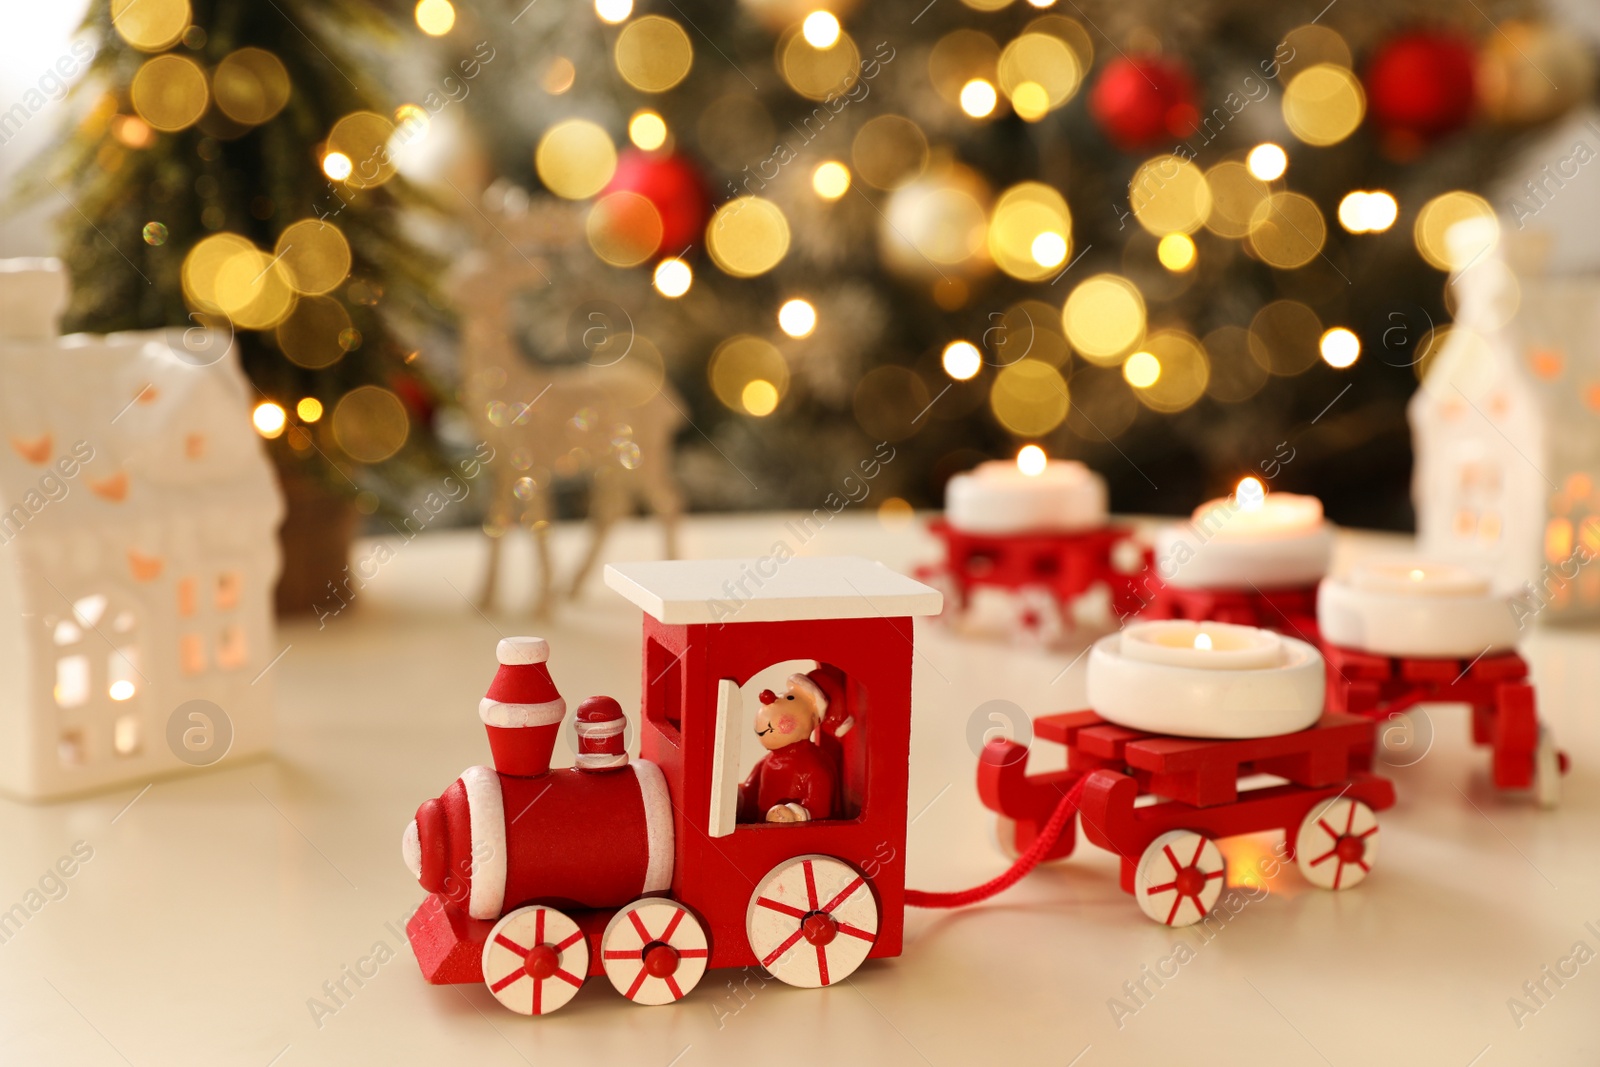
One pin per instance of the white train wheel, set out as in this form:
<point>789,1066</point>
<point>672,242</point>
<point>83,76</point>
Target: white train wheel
<point>1547,770</point>
<point>1179,878</point>
<point>812,920</point>
<point>654,951</point>
<point>1337,843</point>
<point>535,960</point>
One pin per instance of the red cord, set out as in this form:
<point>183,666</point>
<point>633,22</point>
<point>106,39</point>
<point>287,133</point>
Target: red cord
<point>1065,810</point>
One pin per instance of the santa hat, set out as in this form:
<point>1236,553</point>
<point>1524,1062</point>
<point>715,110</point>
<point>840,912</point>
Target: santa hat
<point>601,738</point>
<point>523,709</point>
<point>836,717</point>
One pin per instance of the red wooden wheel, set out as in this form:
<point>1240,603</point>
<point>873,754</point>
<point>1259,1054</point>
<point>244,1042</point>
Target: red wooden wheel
<point>1337,843</point>
<point>1179,878</point>
<point>654,951</point>
<point>812,920</point>
<point>535,960</point>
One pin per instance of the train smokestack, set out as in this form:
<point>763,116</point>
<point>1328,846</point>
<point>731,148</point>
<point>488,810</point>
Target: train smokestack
<point>523,710</point>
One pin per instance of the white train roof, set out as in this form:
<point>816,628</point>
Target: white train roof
<point>770,590</point>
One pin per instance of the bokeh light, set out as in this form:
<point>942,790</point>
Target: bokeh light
<point>363,138</point>
<point>313,336</point>
<point>747,236</point>
<point>797,318</point>
<point>978,98</point>
<point>1323,104</point>
<point>961,360</point>
<point>150,25</point>
<point>1030,101</point>
<point>251,289</point>
<point>435,17</point>
<point>269,419</point>
<point>1340,348</point>
<point>1141,370</point>
<point>820,29</point>
<point>1443,245</point>
<point>1236,373</point>
<point>1235,195</point>
<point>309,409</point>
<point>647,130</point>
<point>1182,371</point>
<point>624,229</point>
<point>337,166</point>
<point>1043,61</point>
<point>575,159</point>
<point>1267,161</point>
<point>1287,230</point>
<point>314,255</point>
<point>1169,195</point>
<point>613,11</point>
<point>818,73</point>
<point>1028,231</point>
<point>1176,252</point>
<point>169,92</point>
<point>1029,398</point>
<point>653,54</point>
<point>830,180</point>
<point>673,277</point>
<point>250,85</point>
<point>960,57</point>
<point>370,424</point>
<point>1285,337</point>
<point>1104,317</point>
<point>742,360</point>
<point>759,397</point>
<point>889,151</point>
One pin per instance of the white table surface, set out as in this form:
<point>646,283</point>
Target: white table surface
<point>216,906</point>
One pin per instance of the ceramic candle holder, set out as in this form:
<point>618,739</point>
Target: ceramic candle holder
<point>1252,540</point>
<point>1415,609</point>
<point>997,497</point>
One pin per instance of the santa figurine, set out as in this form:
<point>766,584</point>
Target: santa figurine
<point>796,781</point>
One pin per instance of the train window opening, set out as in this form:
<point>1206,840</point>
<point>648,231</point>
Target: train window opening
<point>795,751</point>
<point>663,696</point>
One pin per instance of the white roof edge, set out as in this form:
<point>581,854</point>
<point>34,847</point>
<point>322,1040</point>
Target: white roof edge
<point>768,589</point>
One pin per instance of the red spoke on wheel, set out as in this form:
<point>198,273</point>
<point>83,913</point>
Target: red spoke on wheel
<point>1350,823</point>
<point>780,906</point>
<point>811,886</point>
<point>853,931</point>
<point>638,924</point>
<point>1370,830</point>
<point>672,984</point>
<point>822,964</point>
<point>787,944</point>
<point>622,954</point>
<point>693,953</point>
<point>1325,855</point>
<point>843,893</point>
<point>506,942</point>
<point>638,980</point>
<point>1199,847</point>
<point>508,979</point>
<point>567,976</point>
<point>1162,888</point>
<point>572,939</point>
<point>677,917</point>
<point>1177,902</point>
<point>1176,866</point>
<point>538,989</point>
<point>1218,873</point>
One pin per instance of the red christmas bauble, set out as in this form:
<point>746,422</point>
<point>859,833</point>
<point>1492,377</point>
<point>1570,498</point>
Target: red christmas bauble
<point>674,186</point>
<point>1420,84</point>
<point>1142,101</point>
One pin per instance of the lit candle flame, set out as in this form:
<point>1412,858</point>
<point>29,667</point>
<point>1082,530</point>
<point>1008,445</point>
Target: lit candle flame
<point>1250,495</point>
<point>1032,460</point>
<point>1416,574</point>
<point>1202,641</point>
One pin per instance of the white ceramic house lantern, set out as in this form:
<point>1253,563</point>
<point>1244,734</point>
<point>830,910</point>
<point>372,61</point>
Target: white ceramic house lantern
<point>138,550</point>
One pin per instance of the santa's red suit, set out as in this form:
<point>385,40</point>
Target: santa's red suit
<point>794,774</point>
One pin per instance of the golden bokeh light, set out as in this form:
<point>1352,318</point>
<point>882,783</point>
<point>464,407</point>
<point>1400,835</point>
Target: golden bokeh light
<point>575,159</point>
<point>269,419</point>
<point>1340,348</point>
<point>1030,231</point>
<point>370,424</point>
<point>759,397</point>
<point>363,138</point>
<point>1312,44</point>
<point>647,130</point>
<point>558,76</point>
<point>747,236</point>
<point>1235,195</point>
<point>613,11</point>
<point>1286,337</point>
<point>311,336</point>
<point>891,403</point>
<point>337,166</point>
<point>1176,252</point>
<point>253,291</point>
<point>624,229</point>
<point>1030,101</point>
<point>896,513</point>
<point>1442,244</point>
<point>1029,398</point>
<point>1072,32</point>
<point>961,360</point>
<point>1181,371</point>
<point>150,25</point>
<point>1104,317</point>
<point>435,17</point>
<point>1028,329</point>
<point>889,151</point>
<point>830,180</point>
<point>203,263</point>
<point>1267,161</point>
<point>250,85</point>
<point>1287,230</point>
<point>820,29</point>
<point>1041,60</point>
<point>309,409</point>
<point>978,98</point>
<point>1141,370</point>
<point>940,219</point>
<point>653,53</point>
<point>169,92</point>
<point>673,277</point>
<point>314,255</point>
<point>1323,104</point>
<point>742,360</point>
<point>1169,195</point>
<point>797,318</point>
<point>1236,373</point>
<point>959,57</point>
<point>818,73</point>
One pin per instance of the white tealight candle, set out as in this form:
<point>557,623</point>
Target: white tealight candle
<point>1034,493</point>
<point>1253,539</point>
<point>1205,680</point>
<point>1208,646</point>
<point>1415,609</point>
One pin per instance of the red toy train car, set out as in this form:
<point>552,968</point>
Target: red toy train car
<point>644,871</point>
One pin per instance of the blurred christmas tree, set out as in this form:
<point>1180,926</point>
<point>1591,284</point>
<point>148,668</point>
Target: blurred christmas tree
<point>234,171</point>
<point>1163,238</point>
